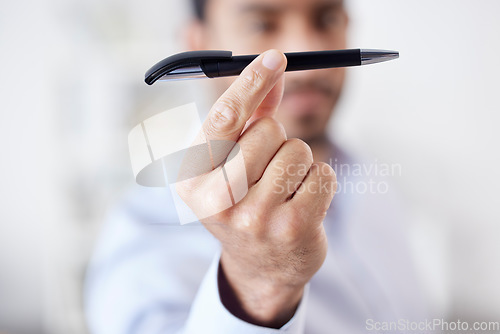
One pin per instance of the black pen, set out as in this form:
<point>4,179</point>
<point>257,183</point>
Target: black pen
<point>214,64</point>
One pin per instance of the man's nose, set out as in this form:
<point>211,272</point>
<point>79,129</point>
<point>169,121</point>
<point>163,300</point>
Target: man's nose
<point>301,36</point>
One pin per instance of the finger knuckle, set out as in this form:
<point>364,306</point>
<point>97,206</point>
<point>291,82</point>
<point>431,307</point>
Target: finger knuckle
<point>252,80</point>
<point>270,128</point>
<point>294,227</point>
<point>301,151</point>
<point>324,170</point>
<point>216,200</point>
<point>326,180</point>
<point>224,116</point>
<point>250,221</point>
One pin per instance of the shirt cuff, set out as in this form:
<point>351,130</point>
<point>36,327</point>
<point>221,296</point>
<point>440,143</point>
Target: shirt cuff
<point>208,314</point>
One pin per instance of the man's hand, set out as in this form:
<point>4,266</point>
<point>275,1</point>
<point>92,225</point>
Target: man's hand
<point>273,240</point>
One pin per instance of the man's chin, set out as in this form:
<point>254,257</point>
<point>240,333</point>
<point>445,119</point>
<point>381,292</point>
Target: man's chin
<point>304,102</point>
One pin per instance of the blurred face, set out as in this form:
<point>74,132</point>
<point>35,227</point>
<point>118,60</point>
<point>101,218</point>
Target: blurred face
<point>253,26</point>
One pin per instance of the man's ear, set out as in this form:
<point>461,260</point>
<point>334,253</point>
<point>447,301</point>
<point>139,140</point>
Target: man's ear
<point>195,36</point>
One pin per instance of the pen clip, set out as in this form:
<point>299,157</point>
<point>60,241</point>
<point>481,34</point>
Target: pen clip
<point>185,64</point>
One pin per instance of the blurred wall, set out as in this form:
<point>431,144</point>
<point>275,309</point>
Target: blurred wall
<point>71,88</point>
<point>435,111</point>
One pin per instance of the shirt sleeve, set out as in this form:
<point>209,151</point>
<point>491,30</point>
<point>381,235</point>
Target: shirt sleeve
<point>208,314</point>
<point>154,279</point>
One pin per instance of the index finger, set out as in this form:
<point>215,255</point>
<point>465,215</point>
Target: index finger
<point>228,116</point>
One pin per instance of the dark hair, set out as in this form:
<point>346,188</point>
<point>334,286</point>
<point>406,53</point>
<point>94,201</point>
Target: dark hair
<point>199,8</point>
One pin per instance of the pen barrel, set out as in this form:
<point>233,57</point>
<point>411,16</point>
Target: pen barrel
<point>296,61</point>
<point>227,68</point>
<point>299,61</point>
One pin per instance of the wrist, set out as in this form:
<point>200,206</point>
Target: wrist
<point>257,300</point>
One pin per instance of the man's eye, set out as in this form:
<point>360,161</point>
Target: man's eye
<point>328,20</point>
<point>262,26</point>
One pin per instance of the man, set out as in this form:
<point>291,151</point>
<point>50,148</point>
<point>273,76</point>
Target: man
<point>264,265</point>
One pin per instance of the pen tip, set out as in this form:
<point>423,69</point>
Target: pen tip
<point>377,56</point>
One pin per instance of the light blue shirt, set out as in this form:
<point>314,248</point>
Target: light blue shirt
<point>149,276</point>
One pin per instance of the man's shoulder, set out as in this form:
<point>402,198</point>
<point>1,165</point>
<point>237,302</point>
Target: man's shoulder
<point>144,219</point>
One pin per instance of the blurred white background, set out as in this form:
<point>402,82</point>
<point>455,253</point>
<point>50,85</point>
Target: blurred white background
<point>71,87</point>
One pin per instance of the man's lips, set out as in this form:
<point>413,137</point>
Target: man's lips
<point>304,101</point>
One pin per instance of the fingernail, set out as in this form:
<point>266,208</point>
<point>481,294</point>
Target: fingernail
<point>272,60</point>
